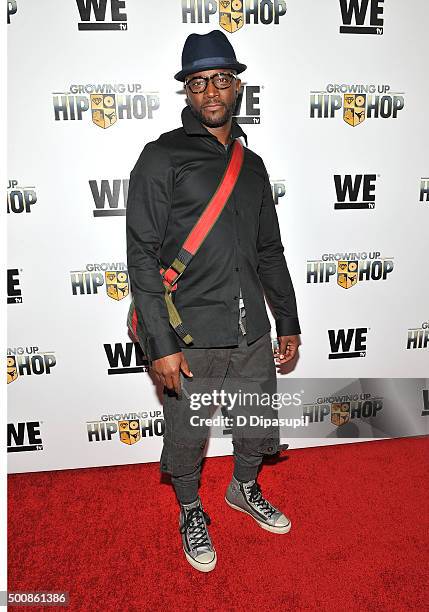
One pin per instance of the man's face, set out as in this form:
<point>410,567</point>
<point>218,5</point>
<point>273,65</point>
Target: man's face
<point>213,107</point>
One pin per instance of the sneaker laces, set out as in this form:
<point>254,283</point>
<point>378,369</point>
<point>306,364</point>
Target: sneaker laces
<point>195,523</point>
<point>256,498</point>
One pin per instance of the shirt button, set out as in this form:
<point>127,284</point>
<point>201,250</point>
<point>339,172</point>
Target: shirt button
<point>235,297</point>
<point>237,269</point>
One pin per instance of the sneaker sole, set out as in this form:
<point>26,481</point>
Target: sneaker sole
<point>201,567</point>
<point>285,529</point>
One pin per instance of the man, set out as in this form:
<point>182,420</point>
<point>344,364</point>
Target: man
<point>220,296</point>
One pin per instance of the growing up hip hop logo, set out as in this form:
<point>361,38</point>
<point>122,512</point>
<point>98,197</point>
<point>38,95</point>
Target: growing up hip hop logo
<point>112,276</point>
<point>349,268</point>
<point>28,361</point>
<point>233,14</point>
<point>424,189</point>
<point>418,337</point>
<point>20,198</point>
<point>129,428</point>
<point>356,102</point>
<point>344,408</point>
<point>105,103</point>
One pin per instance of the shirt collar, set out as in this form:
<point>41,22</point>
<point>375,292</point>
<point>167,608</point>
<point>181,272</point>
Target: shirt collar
<point>191,125</point>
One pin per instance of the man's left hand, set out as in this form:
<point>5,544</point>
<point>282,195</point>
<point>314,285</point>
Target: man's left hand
<point>288,345</point>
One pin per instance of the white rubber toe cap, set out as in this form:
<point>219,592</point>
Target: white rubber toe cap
<point>204,562</point>
<point>282,521</point>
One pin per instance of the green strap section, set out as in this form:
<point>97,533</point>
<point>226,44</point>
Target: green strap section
<point>178,266</point>
<point>175,318</point>
<point>173,315</point>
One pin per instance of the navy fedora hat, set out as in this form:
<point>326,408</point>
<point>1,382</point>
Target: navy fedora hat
<point>206,51</point>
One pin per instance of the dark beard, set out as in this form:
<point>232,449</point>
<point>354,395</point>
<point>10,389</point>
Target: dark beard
<point>224,118</point>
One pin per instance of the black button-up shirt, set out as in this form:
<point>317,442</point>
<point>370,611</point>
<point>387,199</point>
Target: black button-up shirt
<point>170,185</point>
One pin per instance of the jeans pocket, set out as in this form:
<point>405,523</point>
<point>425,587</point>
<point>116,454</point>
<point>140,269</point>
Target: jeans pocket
<point>256,447</point>
<point>179,459</point>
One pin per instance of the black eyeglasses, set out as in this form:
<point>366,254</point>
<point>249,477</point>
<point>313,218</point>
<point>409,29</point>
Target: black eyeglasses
<point>221,80</point>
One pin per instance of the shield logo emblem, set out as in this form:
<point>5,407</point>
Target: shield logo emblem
<point>103,109</point>
<point>12,370</point>
<point>117,286</point>
<point>340,413</point>
<point>354,108</point>
<point>129,431</point>
<point>231,16</point>
<point>347,273</point>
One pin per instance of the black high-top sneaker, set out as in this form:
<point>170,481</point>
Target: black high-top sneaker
<point>197,544</point>
<point>247,497</point>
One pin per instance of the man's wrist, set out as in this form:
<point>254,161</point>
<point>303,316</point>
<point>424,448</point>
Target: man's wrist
<point>288,326</point>
<point>162,345</point>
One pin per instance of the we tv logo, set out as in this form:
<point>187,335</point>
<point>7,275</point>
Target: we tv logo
<point>95,15</point>
<point>110,197</point>
<point>348,343</point>
<point>355,192</point>
<point>425,411</point>
<point>24,436</point>
<point>125,358</point>
<point>362,17</point>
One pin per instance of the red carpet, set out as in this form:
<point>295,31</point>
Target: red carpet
<point>359,538</point>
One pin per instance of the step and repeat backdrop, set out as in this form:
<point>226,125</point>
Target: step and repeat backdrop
<point>334,100</point>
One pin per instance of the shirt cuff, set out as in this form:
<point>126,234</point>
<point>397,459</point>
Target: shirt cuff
<point>288,326</point>
<point>163,345</point>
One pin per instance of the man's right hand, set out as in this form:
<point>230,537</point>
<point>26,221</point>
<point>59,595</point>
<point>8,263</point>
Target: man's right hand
<point>168,370</point>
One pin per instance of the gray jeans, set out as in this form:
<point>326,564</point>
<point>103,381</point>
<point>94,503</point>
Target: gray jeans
<point>248,368</point>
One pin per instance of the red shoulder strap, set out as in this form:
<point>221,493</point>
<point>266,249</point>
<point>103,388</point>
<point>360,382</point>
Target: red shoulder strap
<point>193,242</point>
<point>208,217</point>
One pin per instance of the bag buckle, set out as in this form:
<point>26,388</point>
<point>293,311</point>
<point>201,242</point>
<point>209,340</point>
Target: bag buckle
<point>176,270</point>
<point>167,284</point>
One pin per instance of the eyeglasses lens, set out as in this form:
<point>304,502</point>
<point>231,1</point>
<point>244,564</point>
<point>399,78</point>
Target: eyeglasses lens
<point>221,81</point>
